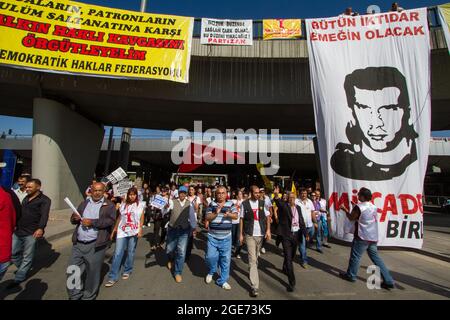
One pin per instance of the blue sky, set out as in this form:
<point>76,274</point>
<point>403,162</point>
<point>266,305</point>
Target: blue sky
<point>233,9</point>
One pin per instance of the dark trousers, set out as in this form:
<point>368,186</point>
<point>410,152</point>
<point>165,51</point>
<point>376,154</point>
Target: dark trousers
<point>290,248</point>
<point>159,227</point>
<point>235,241</point>
<point>85,258</point>
<point>148,215</point>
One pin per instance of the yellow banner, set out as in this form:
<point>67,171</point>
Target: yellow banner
<point>77,38</point>
<point>282,29</point>
<point>444,14</point>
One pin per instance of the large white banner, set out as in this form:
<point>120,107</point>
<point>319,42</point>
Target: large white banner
<point>370,78</point>
<point>227,32</point>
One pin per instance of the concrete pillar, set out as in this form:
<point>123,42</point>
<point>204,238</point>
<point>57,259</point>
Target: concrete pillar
<point>66,147</point>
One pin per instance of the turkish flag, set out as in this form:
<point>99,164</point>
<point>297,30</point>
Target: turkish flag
<point>195,156</point>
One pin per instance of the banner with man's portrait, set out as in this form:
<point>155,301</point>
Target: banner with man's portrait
<point>370,78</point>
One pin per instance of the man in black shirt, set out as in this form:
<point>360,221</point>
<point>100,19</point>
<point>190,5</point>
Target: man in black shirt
<point>30,227</point>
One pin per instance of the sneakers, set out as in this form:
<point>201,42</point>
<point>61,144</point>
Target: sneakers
<point>304,265</point>
<point>290,288</point>
<point>125,276</point>
<point>178,278</point>
<point>319,250</point>
<point>209,278</point>
<point>226,286</point>
<point>263,251</point>
<point>110,283</point>
<point>346,277</point>
<point>254,293</point>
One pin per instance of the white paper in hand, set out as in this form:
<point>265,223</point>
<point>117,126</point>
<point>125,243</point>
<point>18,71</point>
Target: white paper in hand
<point>70,204</point>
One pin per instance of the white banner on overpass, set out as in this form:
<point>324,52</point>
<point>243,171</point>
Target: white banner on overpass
<point>227,32</point>
<point>370,79</point>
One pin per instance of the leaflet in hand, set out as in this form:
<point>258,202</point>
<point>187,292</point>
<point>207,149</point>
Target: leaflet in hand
<point>70,204</point>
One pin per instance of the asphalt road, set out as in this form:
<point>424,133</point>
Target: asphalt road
<point>417,276</point>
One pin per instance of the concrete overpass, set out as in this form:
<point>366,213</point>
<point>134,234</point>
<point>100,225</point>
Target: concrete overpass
<point>266,85</point>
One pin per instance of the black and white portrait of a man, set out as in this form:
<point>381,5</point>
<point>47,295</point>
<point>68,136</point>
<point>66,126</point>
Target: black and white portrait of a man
<point>381,136</point>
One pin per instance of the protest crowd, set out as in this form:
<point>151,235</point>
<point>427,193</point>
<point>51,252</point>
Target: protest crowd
<point>231,222</point>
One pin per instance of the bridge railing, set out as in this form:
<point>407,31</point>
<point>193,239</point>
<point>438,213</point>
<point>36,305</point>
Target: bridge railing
<point>433,22</point>
<point>167,135</point>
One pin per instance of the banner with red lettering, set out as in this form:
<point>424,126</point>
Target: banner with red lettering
<point>370,79</point>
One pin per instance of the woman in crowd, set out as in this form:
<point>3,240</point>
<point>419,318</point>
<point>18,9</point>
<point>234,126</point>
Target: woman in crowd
<point>235,232</point>
<point>160,218</point>
<point>128,229</point>
<point>147,198</point>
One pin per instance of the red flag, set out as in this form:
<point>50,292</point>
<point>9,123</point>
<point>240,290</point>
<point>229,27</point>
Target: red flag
<point>195,156</point>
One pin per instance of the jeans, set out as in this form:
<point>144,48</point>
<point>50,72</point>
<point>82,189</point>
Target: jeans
<point>3,268</point>
<point>219,253</point>
<point>177,240</point>
<point>302,246</point>
<point>235,235</point>
<point>23,249</point>
<point>358,248</point>
<point>127,244</point>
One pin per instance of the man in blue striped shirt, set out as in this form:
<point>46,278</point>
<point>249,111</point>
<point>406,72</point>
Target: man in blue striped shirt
<point>220,214</point>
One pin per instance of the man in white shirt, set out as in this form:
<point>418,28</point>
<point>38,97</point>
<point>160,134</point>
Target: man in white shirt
<point>309,217</point>
<point>268,205</point>
<point>254,226</point>
<point>21,192</point>
<point>326,215</point>
<point>195,201</point>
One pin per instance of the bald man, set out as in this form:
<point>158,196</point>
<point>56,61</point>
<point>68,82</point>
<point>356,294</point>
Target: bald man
<point>90,239</point>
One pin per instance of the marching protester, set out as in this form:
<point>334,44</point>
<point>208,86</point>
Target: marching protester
<point>7,225</point>
<point>235,233</point>
<point>318,228</point>
<point>365,217</point>
<point>88,191</point>
<point>269,207</point>
<point>160,219</point>
<point>292,229</point>
<point>147,198</point>
<point>254,227</point>
<point>90,240</point>
<point>182,224</point>
<point>220,214</point>
<point>21,191</point>
<point>308,215</point>
<point>195,200</point>
<point>324,219</point>
<point>30,227</point>
<point>128,228</point>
